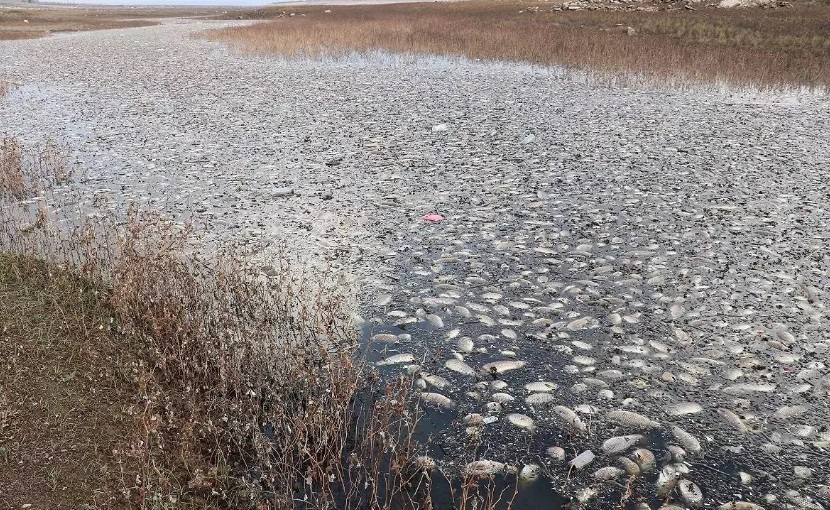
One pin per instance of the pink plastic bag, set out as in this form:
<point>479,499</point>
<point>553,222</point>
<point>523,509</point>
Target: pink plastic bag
<point>433,218</point>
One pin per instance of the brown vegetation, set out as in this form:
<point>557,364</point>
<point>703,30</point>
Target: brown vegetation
<point>32,21</point>
<point>762,47</point>
<point>5,87</point>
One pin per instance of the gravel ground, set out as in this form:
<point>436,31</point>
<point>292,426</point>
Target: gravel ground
<point>662,252</point>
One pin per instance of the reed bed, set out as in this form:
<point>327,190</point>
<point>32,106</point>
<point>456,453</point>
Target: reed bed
<point>765,48</point>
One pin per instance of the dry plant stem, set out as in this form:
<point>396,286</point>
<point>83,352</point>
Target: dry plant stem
<point>764,48</point>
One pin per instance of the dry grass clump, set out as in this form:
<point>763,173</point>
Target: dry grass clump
<point>189,381</point>
<point>65,380</point>
<point>21,179</point>
<point>766,48</point>
<point>5,87</point>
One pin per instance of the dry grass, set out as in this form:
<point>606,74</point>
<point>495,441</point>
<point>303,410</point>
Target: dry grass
<point>185,380</point>
<point>5,87</point>
<point>64,385</point>
<point>760,47</point>
<point>32,21</point>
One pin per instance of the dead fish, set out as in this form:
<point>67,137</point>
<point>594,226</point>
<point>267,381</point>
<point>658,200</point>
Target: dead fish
<point>484,467</point>
<point>644,458</point>
<point>383,300</point>
<point>683,408</point>
<point>435,380</point>
<point>502,398</point>
<point>786,412</point>
<point>465,344</point>
<point>686,440</point>
<point>396,359</point>
<point>748,388</point>
<point>438,399</point>
<point>740,505</point>
<point>570,418</point>
<point>462,311</point>
<point>631,468</point>
<point>607,473</point>
<point>459,366</point>
<point>486,320</point>
<point>541,387</point>
<point>530,472</point>
<point>578,324</point>
<point>620,444</point>
<point>690,493</point>
<point>384,338</point>
<point>424,463</point>
<point>520,420</point>
<point>631,419</point>
<point>435,320</point>
<point>582,460</point>
<point>676,311</point>
<point>556,453</point>
<point>733,419</point>
<point>499,367</point>
<point>539,399</point>
<point>666,481</point>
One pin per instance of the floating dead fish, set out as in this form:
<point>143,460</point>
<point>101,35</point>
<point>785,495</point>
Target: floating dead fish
<point>383,300</point>
<point>620,444</point>
<point>530,472</point>
<point>556,453</point>
<point>536,399</point>
<point>733,419</point>
<point>740,505</point>
<point>608,473</point>
<point>465,344</point>
<point>520,420</point>
<point>582,460</point>
<point>666,481</point>
<point>499,367</point>
<point>686,440</point>
<point>690,493</point>
<point>644,458</point>
<point>484,467</point>
<point>570,418</point>
<point>459,366</point>
<point>579,324</point>
<point>749,388</point>
<point>787,412</point>
<point>631,419</point>
<point>438,399</point>
<point>678,454</point>
<point>502,398</point>
<point>630,467</point>
<point>435,320</point>
<point>541,386</point>
<point>435,380</point>
<point>384,338</point>
<point>462,311</point>
<point>683,408</point>
<point>396,359</point>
